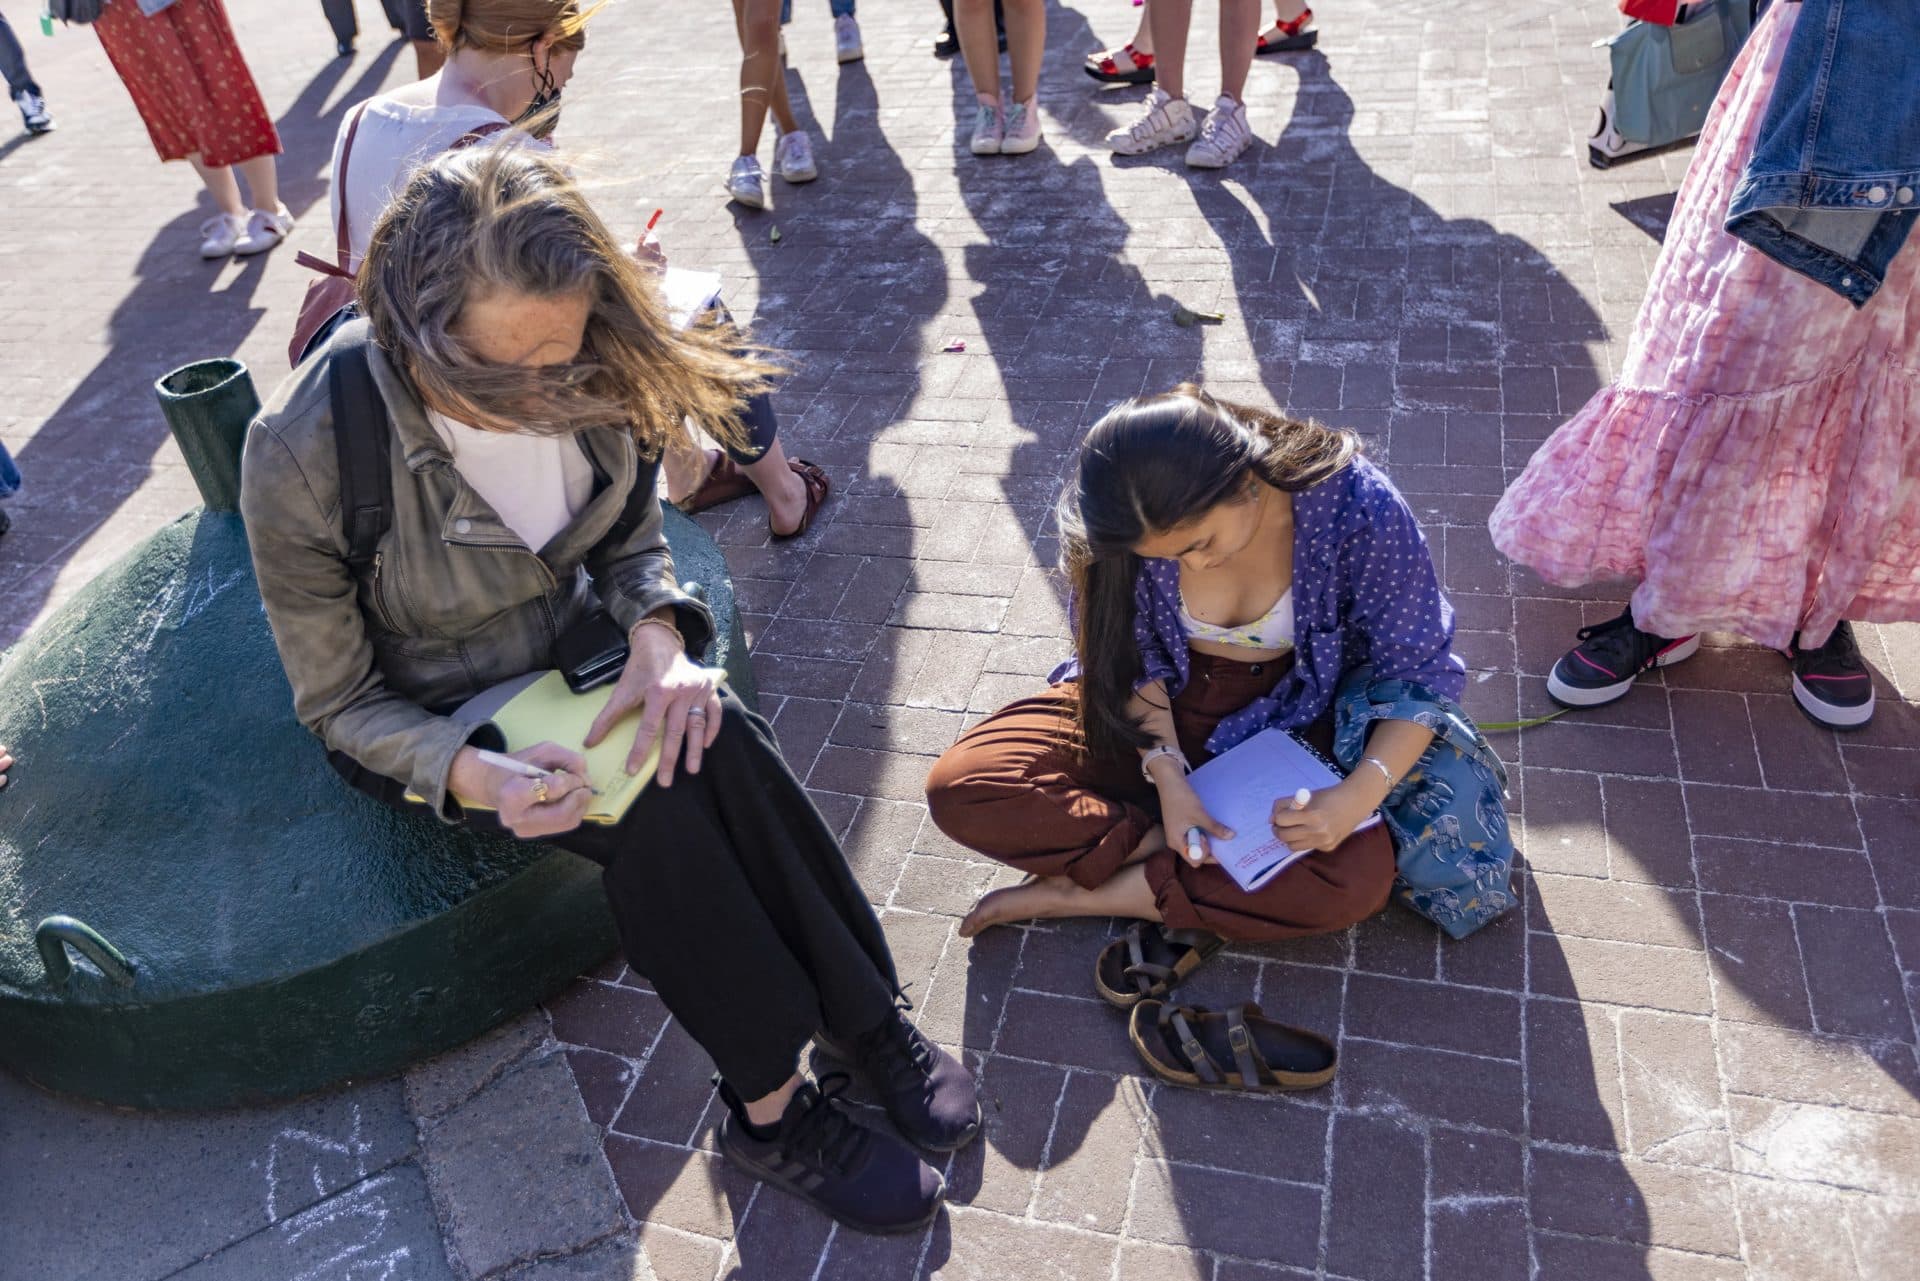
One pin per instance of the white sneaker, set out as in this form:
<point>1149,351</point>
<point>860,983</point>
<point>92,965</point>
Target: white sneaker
<point>846,39</point>
<point>1022,132</point>
<point>793,157</point>
<point>1163,121</point>
<point>747,183</point>
<point>33,111</point>
<point>264,231</point>
<point>1223,136</point>
<point>988,129</point>
<point>222,232</point>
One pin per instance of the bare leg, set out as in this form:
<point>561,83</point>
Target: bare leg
<point>1143,38</point>
<point>1170,19</point>
<point>1239,28</point>
<point>758,25</point>
<point>980,45</point>
<point>428,57</point>
<point>1288,10</point>
<point>1126,894</point>
<point>220,185</point>
<point>263,182</point>
<point>781,486</point>
<point>769,1108</point>
<point>1026,46</point>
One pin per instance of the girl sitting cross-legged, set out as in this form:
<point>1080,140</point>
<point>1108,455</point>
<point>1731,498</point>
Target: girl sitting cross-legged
<point>1234,570</point>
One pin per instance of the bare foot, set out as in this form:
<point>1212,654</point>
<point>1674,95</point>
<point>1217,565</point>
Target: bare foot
<point>1030,900</point>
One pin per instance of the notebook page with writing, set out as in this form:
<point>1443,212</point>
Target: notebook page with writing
<point>1239,787</point>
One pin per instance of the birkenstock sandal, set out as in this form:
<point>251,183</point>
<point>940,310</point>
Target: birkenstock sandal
<point>817,486</point>
<point>724,483</point>
<point>1150,960</point>
<point>1186,1044</point>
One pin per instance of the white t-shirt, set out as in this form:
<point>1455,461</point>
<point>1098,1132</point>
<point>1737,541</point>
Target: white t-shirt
<point>393,140</point>
<point>536,484</point>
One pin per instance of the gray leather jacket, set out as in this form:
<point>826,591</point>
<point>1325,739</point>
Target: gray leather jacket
<point>454,603</point>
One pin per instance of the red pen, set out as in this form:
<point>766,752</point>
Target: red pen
<point>656,218</point>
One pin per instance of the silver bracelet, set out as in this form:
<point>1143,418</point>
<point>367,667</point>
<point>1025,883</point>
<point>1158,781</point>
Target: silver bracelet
<point>1385,773</point>
<point>1155,753</point>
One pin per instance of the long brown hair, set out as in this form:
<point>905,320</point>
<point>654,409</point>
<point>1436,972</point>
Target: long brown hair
<point>506,216</point>
<point>502,26</point>
<point>1151,465</point>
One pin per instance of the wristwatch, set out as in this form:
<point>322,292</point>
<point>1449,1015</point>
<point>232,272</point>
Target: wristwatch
<point>1155,753</point>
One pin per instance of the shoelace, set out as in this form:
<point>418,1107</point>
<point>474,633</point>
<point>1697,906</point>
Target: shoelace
<point>825,1130</point>
<point>1841,649</point>
<point>1016,117</point>
<point>1214,127</point>
<point>1618,642</point>
<point>984,117</point>
<point>898,1048</point>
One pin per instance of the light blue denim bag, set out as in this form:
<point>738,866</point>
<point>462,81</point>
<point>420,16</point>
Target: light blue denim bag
<point>1665,78</point>
<point>1448,817</point>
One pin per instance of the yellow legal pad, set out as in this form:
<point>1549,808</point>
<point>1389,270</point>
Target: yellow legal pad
<point>539,708</point>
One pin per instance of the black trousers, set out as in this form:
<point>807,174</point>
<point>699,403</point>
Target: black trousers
<point>733,898</point>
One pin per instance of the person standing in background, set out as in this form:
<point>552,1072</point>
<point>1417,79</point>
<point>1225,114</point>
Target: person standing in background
<point>1132,62</point>
<point>846,30</point>
<point>947,43</point>
<point>409,18</point>
<point>763,88</point>
<point>1001,127</point>
<point>1165,117</point>
<point>21,86</point>
<point>191,86</point>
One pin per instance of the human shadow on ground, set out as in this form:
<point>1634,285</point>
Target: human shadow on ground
<point>1352,301</point>
<point>96,449</point>
<point>846,298</point>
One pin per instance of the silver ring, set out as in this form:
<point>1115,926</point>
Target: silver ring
<point>697,714</point>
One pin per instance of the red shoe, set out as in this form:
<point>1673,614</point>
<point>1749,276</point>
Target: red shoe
<point>1288,37</point>
<point>1123,66</point>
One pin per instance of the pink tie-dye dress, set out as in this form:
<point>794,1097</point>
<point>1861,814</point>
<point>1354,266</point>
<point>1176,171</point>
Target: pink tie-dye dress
<point>1756,464</point>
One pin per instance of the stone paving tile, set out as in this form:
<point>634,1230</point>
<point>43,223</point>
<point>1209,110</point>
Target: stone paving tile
<point>1687,1055</point>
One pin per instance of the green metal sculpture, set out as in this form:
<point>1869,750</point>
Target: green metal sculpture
<point>194,909</point>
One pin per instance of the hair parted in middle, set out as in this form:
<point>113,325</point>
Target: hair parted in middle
<point>506,216</point>
<point>1149,466</point>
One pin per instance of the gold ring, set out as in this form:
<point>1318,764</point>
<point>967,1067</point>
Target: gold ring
<point>539,791</point>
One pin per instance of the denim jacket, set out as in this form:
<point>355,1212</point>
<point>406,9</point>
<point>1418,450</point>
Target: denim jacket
<point>1833,182</point>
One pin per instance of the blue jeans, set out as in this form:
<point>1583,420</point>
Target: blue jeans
<point>13,65</point>
<point>840,8</point>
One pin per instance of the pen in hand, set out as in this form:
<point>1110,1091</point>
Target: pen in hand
<point>523,769</point>
<point>1302,798</point>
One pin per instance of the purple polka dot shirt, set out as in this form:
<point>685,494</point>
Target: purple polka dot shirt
<point>1364,591</point>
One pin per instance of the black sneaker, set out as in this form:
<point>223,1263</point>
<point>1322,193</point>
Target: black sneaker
<point>1609,658</point>
<point>929,1096</point>
<point>1832,683</point>
<point>946,44</point>
<point>867,1180</point>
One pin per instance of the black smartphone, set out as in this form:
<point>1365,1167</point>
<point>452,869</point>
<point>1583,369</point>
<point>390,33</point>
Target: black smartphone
<point>591,652</point>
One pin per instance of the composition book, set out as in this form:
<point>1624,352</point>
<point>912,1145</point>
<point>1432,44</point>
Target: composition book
<point>539,708</point>
<point>1239,788</point>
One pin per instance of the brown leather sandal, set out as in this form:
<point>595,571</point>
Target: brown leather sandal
<point>818,487</point>
<point>1150,960</point>
<point>724,483</point>
<point>1184,1045</point>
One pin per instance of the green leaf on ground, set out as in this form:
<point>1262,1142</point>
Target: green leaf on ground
<point>1187,318</point>
<point>773,236</point>
<point>1507,727</point>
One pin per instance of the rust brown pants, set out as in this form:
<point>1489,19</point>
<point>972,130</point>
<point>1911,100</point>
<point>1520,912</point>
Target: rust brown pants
<point>1021,788</point>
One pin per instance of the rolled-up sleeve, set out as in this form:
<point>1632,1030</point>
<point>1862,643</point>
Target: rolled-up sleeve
<point>1396,601</point>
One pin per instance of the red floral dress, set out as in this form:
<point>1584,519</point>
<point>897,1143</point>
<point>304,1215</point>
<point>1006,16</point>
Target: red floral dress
<point>188,81</point>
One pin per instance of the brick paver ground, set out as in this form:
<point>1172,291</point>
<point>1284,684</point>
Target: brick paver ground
<point>1689,1055</point>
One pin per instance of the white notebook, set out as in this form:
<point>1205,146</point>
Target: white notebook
<point>1239,787</point>
<point>690,295</point>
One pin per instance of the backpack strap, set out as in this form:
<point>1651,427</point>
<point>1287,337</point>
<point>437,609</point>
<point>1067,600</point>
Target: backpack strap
<point>342,242</point>
<point>362,440</point>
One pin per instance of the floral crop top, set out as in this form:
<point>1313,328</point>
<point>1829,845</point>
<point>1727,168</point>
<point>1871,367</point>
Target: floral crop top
<point>1272,630</point>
